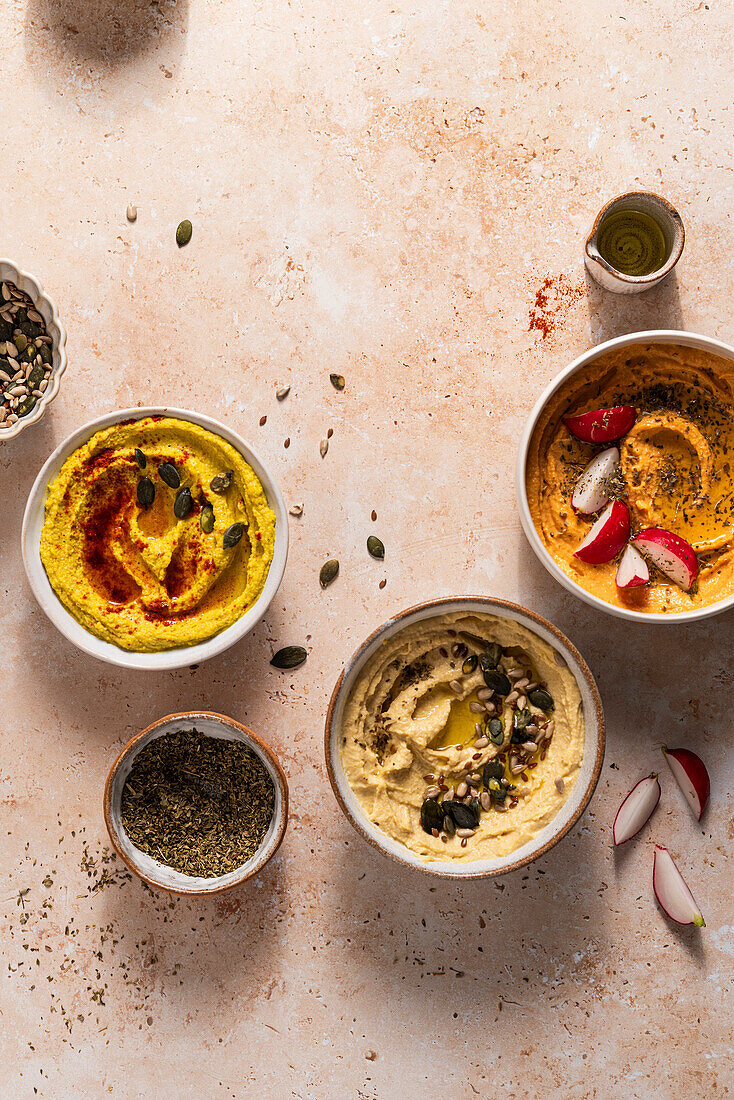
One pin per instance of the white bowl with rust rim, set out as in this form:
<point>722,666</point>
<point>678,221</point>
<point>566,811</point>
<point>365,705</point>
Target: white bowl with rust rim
<point>653,336</point>
<point>64,621</point>
<point>572,808</point>
<point>159,875</point>
<point>43,304</point>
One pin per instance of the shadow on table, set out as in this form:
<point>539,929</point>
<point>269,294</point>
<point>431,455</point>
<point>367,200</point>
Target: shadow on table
<point>102,35</point>
<point>613,315</point>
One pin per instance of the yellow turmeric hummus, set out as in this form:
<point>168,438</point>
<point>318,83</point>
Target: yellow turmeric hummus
<point>147,566</point>
<point>463,736</point>
<point>676,468</point>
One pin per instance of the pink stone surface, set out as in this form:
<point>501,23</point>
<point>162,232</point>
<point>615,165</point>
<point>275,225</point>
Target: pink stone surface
<point>397,193</point>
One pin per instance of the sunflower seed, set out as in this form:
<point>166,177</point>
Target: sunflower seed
<point>323,447</point>
<point>6,292</point>
<point>485,800</point>
<point>465,832</point>
<point>296,510</point>
<point>484,694</point>
<point>35,316</point>
<point>456,686</point>
<point>282,392</point>
<point>461,789</point>
<point>433,792</point>
<point>131,213</point>
<point>481,743</point>
<point>560,785</point>
<point>522,702</point>
<point>477,708</point>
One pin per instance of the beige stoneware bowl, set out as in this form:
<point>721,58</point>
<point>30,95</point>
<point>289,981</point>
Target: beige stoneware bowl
<point>157,874</point>
<point>654,336</point>
<point>571,810</point>
<point>47,309</point>
<point>106,651</point>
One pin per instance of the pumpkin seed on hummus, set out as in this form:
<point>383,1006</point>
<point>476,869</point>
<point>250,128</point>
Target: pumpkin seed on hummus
<point>140,563</point>
<point>471,773</point>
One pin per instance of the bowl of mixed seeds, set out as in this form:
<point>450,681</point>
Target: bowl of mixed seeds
<point>196,803</point>
<point>32,350</point>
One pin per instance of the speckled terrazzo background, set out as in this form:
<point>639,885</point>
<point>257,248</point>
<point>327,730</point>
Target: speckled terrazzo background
<point>397,193</point>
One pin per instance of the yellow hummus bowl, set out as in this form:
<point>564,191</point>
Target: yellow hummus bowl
<point>404,709</point>
<point>159,591</point>
<point>675,460</point>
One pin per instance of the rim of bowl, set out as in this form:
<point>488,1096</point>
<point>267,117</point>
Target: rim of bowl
<point>64,621</point>
<point>263,855</point>
<point>651,336</point>
<point>45,305</point>
<point>369,831</point>
<point>679,238</point>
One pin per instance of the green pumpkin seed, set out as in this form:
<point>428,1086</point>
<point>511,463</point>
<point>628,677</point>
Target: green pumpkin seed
<point>183,232</point>
<point>470,664</point>
<point>432,815</point>
<point>493,770</point>
<point>183,503</point>
<point>521,719</point>
<point>496,732</point>
<point>448,826</point>
<point>500,794</point>
<point>233,535</point>
<point>337,381</point>
<point>21,342</point>
<point>146,492</point>
<point>375,547</point>
<point>140,458</point>
<point>290,657</point>
<point>329,572</point>
<point>27,405</point>
<point>462,816</point>
<point>35,377</point>
<point>497,681</point>
<point>206,519</point>
<point>168,473</point>
<point>221,482</point>
<point>542,699</point>
<point>45,352</point>
<point>491,656</point>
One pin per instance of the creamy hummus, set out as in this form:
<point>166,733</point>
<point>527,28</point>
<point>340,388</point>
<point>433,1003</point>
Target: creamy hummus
<point>677,467</point>
<point>410,725</point>
<point>135,574</point>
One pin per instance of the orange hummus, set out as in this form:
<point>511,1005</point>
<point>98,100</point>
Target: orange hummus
<point>676,468</point>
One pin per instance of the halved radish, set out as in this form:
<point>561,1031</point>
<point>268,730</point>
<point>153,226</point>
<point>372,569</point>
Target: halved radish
<point>691,776</point>
<point>632,570</point>
<point>636,809</point>
<point>607,536</point>
<point>592,488</point>
<point>673,556</point>
<point>672,891</point>
<point>602,425</point>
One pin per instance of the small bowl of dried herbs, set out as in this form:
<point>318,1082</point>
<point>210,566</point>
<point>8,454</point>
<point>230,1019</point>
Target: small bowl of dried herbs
<point>196,803</point>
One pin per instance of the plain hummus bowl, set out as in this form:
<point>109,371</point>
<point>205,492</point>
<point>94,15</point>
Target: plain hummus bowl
<point>158,874</point>
<point>654,336</point>
<point>64,621</point>
<point>573,807</point>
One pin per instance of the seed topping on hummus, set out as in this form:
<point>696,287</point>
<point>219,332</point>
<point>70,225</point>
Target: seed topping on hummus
<point>137,546</point>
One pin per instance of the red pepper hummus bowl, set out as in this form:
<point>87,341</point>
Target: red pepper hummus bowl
<point>625,477</point>
<point>154,538</point>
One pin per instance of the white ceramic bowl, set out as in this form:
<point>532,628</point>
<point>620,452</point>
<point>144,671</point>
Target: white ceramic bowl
<point>654,336</point>
<point>158,874</point>
<point>47,309</point>
<point>106,651</point>
<point>571,810</point>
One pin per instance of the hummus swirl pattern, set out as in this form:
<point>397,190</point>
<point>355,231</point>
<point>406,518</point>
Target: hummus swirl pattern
<point>140,577</point>
<point>405,720</point>
<point>676,465</point>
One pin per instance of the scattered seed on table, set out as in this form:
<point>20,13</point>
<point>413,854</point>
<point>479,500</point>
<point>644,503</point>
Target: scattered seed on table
<point>282,392</point>
<point>131,213</point>
<point>375,547</point>
<point>287,443</point>
<point>374,515</point>
<point>329,572</point>
<point>183,232</point>
<point>296,510</point>
<point>263,421</point>
<point>382,583</point>
<point>323,447</point>
<point>329,433</point>
<point>337,381</point>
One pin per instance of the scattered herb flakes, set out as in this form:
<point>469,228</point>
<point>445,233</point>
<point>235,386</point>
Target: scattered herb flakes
<point>199,804</point>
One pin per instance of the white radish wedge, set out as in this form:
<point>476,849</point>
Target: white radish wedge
<point>592,488</point>
<point>607,536</point>
<point>691,776</point>
<point>636,809</point>
<point>672,892</point>
<point>673,556</point>
<point>632,570</point>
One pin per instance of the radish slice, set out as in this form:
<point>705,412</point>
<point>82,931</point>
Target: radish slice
<point>673,556</point>
<point>607,536</point>
<point>592,488</point>
<point>636,809</point>
<point>691,776</point>
<point>632,570</point>
<point>672,891</point>
<point>602,425</point>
